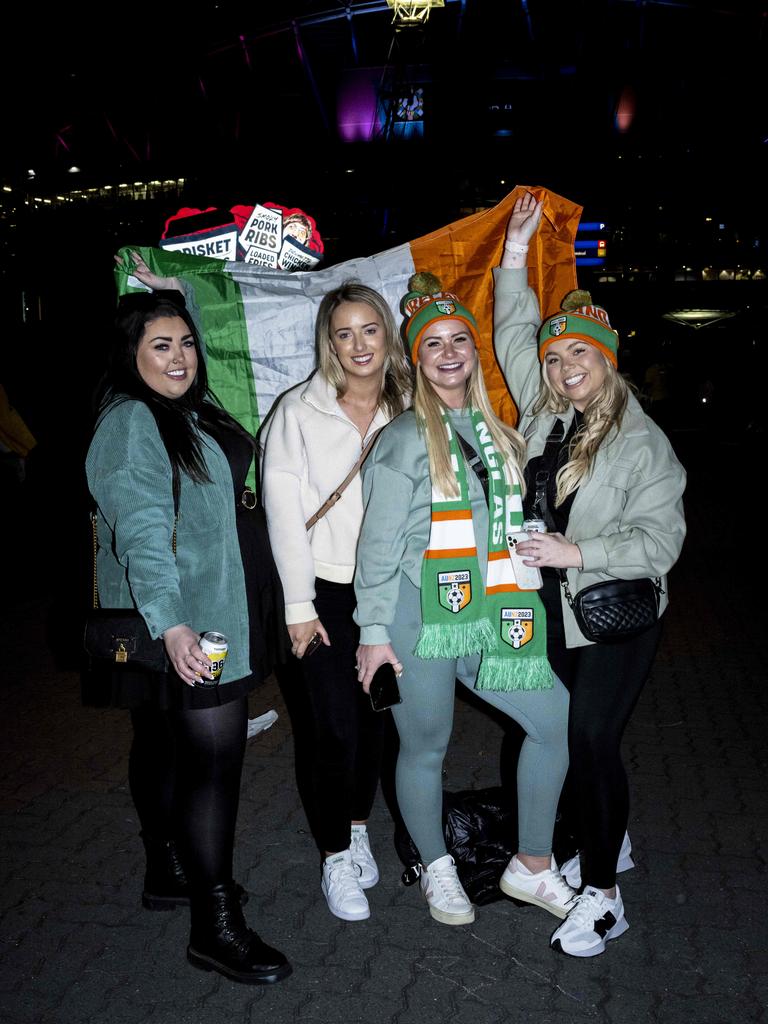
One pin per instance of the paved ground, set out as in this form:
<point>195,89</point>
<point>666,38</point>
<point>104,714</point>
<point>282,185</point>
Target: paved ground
<point>77,947</point>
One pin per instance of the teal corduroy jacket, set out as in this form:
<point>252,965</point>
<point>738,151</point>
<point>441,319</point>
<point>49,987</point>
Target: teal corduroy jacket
<point>129,476</point>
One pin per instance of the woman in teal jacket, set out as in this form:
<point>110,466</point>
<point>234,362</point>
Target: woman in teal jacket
<point>165,459</point>
<point>606,481</point>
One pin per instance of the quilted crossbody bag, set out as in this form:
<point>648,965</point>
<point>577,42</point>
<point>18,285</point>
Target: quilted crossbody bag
<point>615,610</point>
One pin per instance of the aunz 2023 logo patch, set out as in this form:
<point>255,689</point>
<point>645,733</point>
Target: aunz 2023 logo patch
<point>454,590</point>
<point>517,626</point>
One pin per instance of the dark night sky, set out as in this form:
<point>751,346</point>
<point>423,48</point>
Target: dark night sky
<point>220,93</point>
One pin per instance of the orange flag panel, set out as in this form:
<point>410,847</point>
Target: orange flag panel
<point>464,253</point>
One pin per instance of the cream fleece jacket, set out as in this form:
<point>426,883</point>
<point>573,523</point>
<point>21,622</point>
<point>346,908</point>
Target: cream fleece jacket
<point>310,446</point>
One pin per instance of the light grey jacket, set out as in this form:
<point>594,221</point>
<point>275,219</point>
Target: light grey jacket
<point>627,515</point>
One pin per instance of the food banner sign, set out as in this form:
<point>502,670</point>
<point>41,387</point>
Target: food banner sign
<point>216,243</point>
<point>265,235</point>
<point>262,237</point>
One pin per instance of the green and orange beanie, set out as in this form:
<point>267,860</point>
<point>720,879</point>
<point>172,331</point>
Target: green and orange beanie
<point>425,303</point>
<point>580,318</point>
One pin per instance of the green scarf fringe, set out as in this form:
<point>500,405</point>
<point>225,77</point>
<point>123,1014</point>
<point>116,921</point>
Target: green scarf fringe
<point>438,640</point>
<point>532,673</point>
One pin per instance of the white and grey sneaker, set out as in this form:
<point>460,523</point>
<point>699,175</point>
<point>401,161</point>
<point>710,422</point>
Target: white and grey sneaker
<point>362,858</point>
<point>594,920</point>
<point>341,888</point>
<point>546,889</point>
<point>571,869</point>
<point>448,903</point>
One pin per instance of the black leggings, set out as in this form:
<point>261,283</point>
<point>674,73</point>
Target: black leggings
<point>604,681</point>
<point>184,774</point>
<point>347,733</point>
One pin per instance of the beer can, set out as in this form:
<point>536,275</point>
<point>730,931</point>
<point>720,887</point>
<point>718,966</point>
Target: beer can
<point>534,526</point>
<point>215,647</point>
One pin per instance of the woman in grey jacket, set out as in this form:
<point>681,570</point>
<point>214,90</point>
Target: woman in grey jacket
<point>161,468</point>
<point>607,483</point>
<point>438,598</point>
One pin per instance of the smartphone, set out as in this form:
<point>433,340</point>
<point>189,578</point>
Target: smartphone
<point>312,646</point>
<point>527,577</point>
<point>384,690</point>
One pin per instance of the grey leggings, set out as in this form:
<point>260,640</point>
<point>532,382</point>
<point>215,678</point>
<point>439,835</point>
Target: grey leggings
<point>425,720</point>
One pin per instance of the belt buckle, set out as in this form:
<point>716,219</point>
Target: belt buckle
<point>248,498</point>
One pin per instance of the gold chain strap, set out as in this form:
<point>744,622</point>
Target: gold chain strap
<point>94,533</point>
<point>95,549</point>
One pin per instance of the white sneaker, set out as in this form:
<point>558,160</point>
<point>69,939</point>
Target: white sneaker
<point>341,888</point>
<point>546,889</point>
<point>593,921</point>
<point>261,724</point>
<point>362,858</point>
<point>571,869</point>
<point>443,892</point>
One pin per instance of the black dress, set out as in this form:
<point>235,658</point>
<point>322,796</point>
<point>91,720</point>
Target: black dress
<point>268,636</point>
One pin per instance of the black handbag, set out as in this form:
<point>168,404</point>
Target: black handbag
<point>615,610</point>
<point>118,638</point>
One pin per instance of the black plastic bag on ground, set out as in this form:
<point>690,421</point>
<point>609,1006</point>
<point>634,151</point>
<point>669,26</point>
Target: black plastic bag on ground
<point>480,828</point>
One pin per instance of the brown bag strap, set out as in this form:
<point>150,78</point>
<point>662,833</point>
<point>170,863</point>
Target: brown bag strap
<point>330,502</point>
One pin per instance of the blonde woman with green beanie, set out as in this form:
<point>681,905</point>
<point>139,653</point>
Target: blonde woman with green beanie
<point>605,479</point>
<point>437,598</point>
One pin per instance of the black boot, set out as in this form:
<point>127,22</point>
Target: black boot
<point>221,941</point>
<point>165,883</point>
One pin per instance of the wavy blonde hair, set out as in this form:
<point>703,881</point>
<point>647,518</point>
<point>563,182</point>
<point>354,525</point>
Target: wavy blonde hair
<point>430,410</point>
<point>603,414</point>
<point>397,381</point>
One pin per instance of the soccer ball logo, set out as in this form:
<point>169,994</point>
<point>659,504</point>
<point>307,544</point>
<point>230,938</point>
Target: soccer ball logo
<point>516,633</point>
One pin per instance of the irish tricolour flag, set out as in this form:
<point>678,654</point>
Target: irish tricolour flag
<point>258,323</point>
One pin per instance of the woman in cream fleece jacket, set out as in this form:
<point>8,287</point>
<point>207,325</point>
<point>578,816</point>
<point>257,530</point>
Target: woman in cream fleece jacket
<point>314,438</point>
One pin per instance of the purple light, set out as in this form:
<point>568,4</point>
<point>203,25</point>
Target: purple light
<point>356,108</point>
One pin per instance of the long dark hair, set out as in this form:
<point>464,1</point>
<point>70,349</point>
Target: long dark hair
<point>173,416</point>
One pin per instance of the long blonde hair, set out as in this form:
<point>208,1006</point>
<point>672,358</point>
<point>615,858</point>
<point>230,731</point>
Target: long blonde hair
<point>397,382</point>
<point>429,416</point>
<point>604,413</point>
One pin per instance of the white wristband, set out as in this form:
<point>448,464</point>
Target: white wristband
<point>515,248</point>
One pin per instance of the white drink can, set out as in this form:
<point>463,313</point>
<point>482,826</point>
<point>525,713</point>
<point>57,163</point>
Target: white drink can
<point>215,647</point>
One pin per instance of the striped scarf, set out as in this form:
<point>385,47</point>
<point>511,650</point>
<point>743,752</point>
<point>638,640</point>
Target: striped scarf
<point>461,612</point>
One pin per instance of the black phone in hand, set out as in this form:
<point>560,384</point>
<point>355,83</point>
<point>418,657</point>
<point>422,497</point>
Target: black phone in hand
<point>384,691</point>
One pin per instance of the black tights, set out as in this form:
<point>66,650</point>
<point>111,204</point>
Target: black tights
<point>184,774</point>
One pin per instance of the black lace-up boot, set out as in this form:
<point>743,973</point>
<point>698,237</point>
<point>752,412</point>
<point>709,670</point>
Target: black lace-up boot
<point>220,940</point>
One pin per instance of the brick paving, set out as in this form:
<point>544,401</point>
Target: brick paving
<point>77,948</point>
